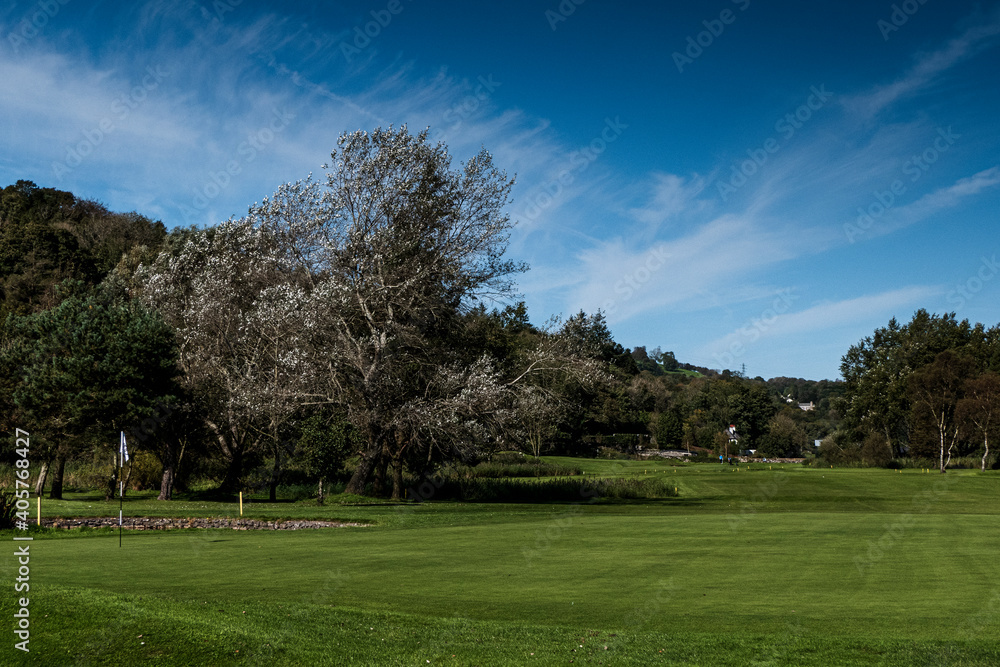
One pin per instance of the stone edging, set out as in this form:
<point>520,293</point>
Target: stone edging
<point>167,523</point>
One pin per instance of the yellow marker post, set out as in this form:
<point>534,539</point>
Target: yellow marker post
<point>39,499</point>
<point>241,503</point>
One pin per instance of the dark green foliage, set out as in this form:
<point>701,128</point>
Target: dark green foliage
<point>324,444</point>
<point>509,457</point>
<point>669,430</point>
<point>879,404</point>
<point>497,470</point>
<point>592,334</point>
<point>93,365</point>
<point>552,490</point>
<point>784,439</point>
<point>48,236</point>
<point>8,510</point>
<point>613,454</point>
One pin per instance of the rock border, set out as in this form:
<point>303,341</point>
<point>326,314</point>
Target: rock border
<point>171,523</point>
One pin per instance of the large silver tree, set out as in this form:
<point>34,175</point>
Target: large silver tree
<point>349,293</point>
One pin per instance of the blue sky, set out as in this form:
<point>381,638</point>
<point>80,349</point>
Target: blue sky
<point>739,181</point>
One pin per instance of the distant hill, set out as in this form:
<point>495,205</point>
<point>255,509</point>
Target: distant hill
<point>49,235</point>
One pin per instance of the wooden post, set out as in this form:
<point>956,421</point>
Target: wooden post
<point>241,503</point>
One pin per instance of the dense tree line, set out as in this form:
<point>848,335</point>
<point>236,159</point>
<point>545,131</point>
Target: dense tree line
<point>924,389</point>
<point>363,326</point>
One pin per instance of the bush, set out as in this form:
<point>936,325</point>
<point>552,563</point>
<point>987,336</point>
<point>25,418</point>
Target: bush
<point>485,490</point>
<point>497,470</point>
<point>613,454</point>
<point>8,510</point>
<point>296,492</point>
<point>508,457</point>
<point>146,473</point>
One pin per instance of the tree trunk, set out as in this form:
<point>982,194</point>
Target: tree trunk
<point>397,467</point>
<point>378,485</point>
<point>233,446</point>
<point>320,493</point>
<point>986,451</point>
<point>109,493</point>
<point>941,436</point>
<point>55,492</point>
<point>231,482</point>
<point>272,485</point>
<point>177,482</point>
<point>42,474</point>
<point>169,465</point>
<point>363,472</point>
<point>167,483</point>
<point>397,477</point>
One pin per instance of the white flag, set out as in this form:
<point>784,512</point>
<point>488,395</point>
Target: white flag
<point>123,450</point>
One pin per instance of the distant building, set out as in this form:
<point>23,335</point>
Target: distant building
<point>807,406</point>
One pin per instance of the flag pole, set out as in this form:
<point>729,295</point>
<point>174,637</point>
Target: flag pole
<point>122,458</point>
<point>121,489</point>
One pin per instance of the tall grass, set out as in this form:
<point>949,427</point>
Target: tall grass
<point>512,490</point>
<point>497,470</point>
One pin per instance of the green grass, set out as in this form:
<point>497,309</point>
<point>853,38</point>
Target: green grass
<point>782,566</point>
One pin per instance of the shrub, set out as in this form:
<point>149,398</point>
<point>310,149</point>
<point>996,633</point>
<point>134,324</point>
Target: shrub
<point>508,457</point>
<point>497,470</point>
<point>8,510</point>
<point>611,453</point>
<point>485,490</point>
<point>146,472</point>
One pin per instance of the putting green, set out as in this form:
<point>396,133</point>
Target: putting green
<point>772,567</point>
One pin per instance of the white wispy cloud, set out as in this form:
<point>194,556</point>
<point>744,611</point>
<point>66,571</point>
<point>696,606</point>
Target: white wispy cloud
<point>778,318</point>
<point>688,272</point>
<point>672,196</point>
<point>881,221</point>
<point>927,68</point>
<point>223,85</point>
